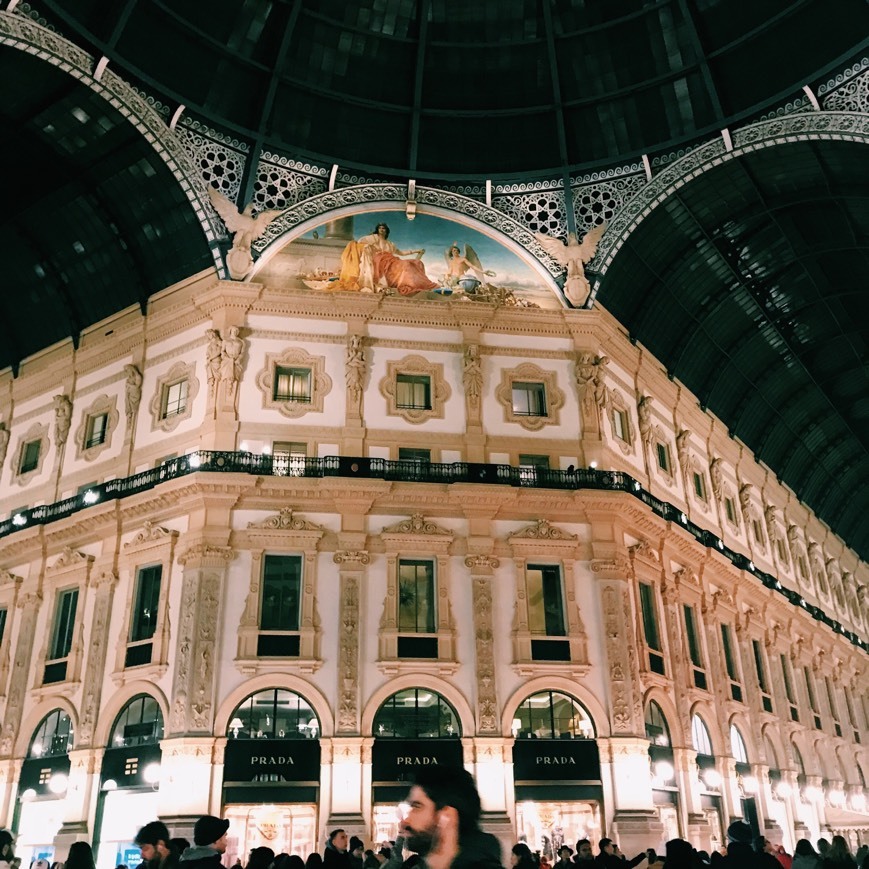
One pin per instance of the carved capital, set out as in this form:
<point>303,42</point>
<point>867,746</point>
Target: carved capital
<point>346,556</point>
<point>207,555</point>
<point>481,560</point>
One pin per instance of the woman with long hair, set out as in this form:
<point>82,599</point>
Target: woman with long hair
<point>839,856</point>
<point>80,856</point>
<point>522,858</point>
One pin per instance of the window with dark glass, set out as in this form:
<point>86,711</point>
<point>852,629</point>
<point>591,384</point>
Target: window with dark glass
<point>292,384</point>
<point>782,550</point>
<point>650,627</point>
<point>30,457</point>
<point>413,391</point>
<point>280,606</point>
<point>140,722</point>
<point>621,429</point>
<point>788,682</point>
<point>730,510</point>
<point>694,649</point>
<point>2,624</point>
<point>545,601</point>
<point>64,624</point>
<point>663,453</point>
<point>758,531</point>
<point>657,729</point>
<point>413,454</point>
<point>53,736</point>
<point>416,714</point>
<point>273,714</point>
<point>813,699</point>
<point>730,663</point>
<point>416,596</point>
<point>849,705</point>
<point>529,399</point>
<point>834,707</point>
<point>552,715</point>
<point>760,670</point>
<point>699,485</point>
<point>143,619</point>
<point>96,431</point>
<point>174,399</point>
<point>529,460</point>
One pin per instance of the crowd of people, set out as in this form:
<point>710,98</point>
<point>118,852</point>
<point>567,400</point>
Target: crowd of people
<point>441,830</point>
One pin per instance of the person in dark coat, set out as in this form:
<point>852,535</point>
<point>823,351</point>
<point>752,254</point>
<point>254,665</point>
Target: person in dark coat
<point>608,859</point>
<point>154,842</point>
<point>209,844</point>
<point>337,855</point>
<point>741,854</point>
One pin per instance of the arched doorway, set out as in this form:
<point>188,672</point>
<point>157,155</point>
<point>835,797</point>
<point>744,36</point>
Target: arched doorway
<point>271,774</point>
<point>42,788</point>
<point>556,772</point>
<point>710,780</point>
<point>412,728</point>
<point>665,792</point>
<point>129,781</point>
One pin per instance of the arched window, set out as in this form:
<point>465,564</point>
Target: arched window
<point>140,722</point>
<point>275,713</point>
<point>771,754</point>
<point>737,745</point>
<point>416,714</point>
<point>53,736</point>
<point>657,731</point>
<point>700,736</point>
<point>552,715</point>
<point>798,760</point>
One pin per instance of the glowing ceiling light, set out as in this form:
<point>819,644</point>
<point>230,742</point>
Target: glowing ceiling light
<point>57,784</point>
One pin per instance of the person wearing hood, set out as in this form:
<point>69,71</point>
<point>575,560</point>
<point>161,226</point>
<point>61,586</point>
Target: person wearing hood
<point>443,823</point>
<point>209,844</point>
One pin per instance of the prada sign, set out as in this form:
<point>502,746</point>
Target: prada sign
<point>290,760</point>
<point>538,760</point>
<point>397,760</point>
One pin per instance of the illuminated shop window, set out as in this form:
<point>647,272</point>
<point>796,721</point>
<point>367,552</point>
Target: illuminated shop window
<point>53,736</point>
<point>140,722</point>
<point>552,715</point>
<point>416,713</point>
<point>274,714</point>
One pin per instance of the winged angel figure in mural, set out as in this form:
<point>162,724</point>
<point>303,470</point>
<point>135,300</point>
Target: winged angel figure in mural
<point>573,255</point>
<point>247,229</point>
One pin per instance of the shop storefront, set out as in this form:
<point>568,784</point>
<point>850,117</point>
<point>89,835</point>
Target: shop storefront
<point>556,772</point>
<point>412,729</point>
<point>665,793</point>
<point>271,775</point>
<point>41,789</point>
<point>129,782</point>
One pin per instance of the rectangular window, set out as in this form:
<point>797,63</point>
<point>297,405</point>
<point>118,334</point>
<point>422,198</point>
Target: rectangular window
<point>650,628</point>
<point>730,663</point>
<point>280,606</point>
<point>174,399</point>
<point>730,510</point>
<point>292,384</point>
<point>288,458</point>
<point>529,399</point>
<point>762,682</point>
<point>528,460</point>
<point>813,699</point>
<point>545,600</point>
<point>699,485</point>
<point>782,550</point>
<point>694,647</point>
<point>663,453</point>
<point>416,596</point>
<point>849,705</point>
<point>413,391</point>
<point>144,620</point>
<point>2,625</point>
<point>30,457</point>
<point>834,707</point>
<point>802,568</point>
<point>758,531</point>
<point>412,454</point>
<point>64,624</point>
<point>96,431</point>
<point>621,429</point>
<point>789,688</point>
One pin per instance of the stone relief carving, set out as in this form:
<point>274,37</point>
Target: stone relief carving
<point>354,372</point>
<point>348,656</point>
<point>96,659</point>
<point>29,605</point>
<point>417,524</point>
<point>472,378</point>
<point>70,557</point>
<point>480,560</point>
<point>487,701</point>
<point>150,532</point>
<point>715,476</point>
<point>62,418</point>
<point>285,520</point>
<point>132,395</point>
<point>213,355</point>
<point>542,530</point>
<point>231,365</point>
<point>349,557</point>
<point>644,418</point>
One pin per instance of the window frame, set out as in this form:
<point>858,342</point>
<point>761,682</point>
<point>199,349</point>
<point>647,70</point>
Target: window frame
<point>534,395</point>
<point>415,366</point>
<point>430,588</point>
<point>544,383</point>
<point>731,663</point>
<point>167,410</point>
<point>695,646</point>
<point>412,383</point>
<point>292,372</point>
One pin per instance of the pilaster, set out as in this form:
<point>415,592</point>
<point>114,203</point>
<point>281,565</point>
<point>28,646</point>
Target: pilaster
<point>84,774</point>
<point>344,807</point>
<point>351,572</point>
<point>481,567</point>
<point>186,781</point>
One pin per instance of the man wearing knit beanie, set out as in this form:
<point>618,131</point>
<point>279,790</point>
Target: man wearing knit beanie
<point>209,843</point>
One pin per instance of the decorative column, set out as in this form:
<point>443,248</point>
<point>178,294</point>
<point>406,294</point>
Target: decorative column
<point>626,754</point>
<point>355,372</point>
<point>345,785</point>
<point>472,382</point>
<point>83,784</point>
<point>351,572</point>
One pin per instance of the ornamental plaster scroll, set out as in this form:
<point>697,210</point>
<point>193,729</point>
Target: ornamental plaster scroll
<point>286,520</point>
<point>481,561</point>
<point>487,700</point>
<point>553,395</point>
<point>17,30</point>
<point>417,524</point>
<point>346,556</point>
<point>348,656</point>
<point>70,558</point>
<point>830,126</point>
<point>294,357</point>
<point>542,530</point>
<point>29,605</point>
<point>150,533</point>
<point>370,197</point>
<point>206,554</point>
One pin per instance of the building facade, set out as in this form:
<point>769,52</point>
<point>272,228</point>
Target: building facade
<point>271,548</point>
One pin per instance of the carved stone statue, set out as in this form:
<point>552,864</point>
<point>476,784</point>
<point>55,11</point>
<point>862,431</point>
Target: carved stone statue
<point>230,362</point>
<point>644,416</point>
<point>601,394</point>
<point>62,418</point>
<point>354,369</point>
<point>132,392</point>
<point>682,441</point>
<point>715,475</point>
<point>4,443</point>
<point>472,374</point>
<point>573,255</point>
<point>583,372</point>
<point>247,229</point>
<point>213,356</point>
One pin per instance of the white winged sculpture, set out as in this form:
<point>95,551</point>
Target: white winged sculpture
<point>573,255</point>
<point>247,229</point>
